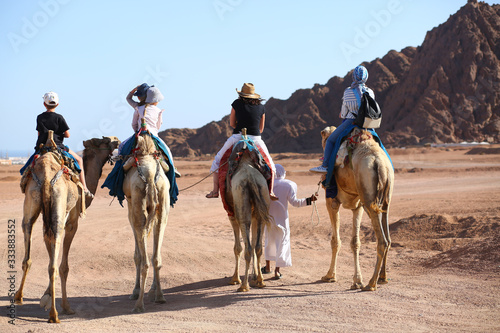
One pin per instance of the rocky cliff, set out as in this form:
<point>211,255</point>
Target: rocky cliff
<point>446,90</point>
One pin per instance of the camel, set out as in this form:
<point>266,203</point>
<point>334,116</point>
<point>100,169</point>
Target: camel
<point>366,184</point>
<point>146,189</point>
<point>59,199</point>
<point>247,193</point>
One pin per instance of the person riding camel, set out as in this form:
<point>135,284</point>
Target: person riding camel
<point>348,113</point>
<point>247,112</point>
<point>148,110</point>
<point>53,121</point>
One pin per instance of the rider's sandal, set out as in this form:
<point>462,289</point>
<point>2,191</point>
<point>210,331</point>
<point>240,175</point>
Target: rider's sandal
<point>89,194</point>
<point>212,194</point>
<point>273,197</point>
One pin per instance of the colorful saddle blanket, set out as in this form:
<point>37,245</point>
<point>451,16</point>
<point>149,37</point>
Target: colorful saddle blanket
<point>115,179</point>
<point>230,161</point>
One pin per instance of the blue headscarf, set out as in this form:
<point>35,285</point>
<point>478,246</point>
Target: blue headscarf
<point>359,77</point>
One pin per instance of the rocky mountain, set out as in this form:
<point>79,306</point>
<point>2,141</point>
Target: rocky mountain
<point>446,90</point>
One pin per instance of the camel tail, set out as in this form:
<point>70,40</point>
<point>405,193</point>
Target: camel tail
<point>383,190</point>
<point>47,208</point>
<point>152,199</point>
<point>260,206</point>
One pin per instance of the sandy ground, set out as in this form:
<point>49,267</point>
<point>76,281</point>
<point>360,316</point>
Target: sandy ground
<point>444,266</point>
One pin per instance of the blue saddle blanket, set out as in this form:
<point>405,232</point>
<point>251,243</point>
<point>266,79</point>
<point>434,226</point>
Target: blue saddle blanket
<point>62,151</point>
<point>115,179</point>
<point>330,182</point>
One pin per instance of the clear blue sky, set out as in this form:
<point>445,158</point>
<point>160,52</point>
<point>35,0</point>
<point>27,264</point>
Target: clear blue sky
<point>92,53</point>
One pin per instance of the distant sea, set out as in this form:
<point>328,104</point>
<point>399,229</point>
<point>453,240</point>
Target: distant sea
<point>15,153</point>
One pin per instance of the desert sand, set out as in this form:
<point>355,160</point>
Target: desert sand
<point>444,264</point>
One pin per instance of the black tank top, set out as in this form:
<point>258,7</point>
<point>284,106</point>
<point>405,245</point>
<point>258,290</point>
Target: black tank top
<point>247,116</point>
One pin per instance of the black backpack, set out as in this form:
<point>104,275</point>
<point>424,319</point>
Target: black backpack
<point>369,113</point>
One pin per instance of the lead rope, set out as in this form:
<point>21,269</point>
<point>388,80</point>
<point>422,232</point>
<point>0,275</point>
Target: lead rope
<point>315,208</point>
<point>205,177</point>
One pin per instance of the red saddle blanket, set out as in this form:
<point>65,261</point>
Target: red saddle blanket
<point>223,171</point>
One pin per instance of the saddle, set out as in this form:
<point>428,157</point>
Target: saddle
<point>68,169</point>
<point>348,144</point>
<point>68,166</point>
<point>230,161</point>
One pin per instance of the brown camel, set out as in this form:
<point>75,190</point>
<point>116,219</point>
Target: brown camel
<point>365,184</point>
<point>247,193</point>
<point>146,188</point>
<point>58,198</point>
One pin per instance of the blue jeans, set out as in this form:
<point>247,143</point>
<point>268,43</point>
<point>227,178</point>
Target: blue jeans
<point>330,142</point>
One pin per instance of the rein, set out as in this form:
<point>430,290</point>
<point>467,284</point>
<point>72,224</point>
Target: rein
<point>315,207</point>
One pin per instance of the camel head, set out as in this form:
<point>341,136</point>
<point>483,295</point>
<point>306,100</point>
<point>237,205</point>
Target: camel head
<point>325,133</point>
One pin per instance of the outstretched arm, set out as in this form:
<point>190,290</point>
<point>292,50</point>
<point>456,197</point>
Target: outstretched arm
<point>130,101</point>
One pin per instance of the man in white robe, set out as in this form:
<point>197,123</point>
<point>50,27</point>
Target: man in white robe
<point>277,246</point>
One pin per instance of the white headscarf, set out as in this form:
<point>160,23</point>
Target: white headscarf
<point>280,172</point>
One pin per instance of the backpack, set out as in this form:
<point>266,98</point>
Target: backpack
<point>369,113</point>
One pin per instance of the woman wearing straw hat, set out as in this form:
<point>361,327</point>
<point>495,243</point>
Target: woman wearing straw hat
<point>247,112</point>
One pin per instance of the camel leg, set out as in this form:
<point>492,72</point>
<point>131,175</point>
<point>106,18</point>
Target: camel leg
<point>137,261</point>
<point>29,219</point>
<point>53,244</point>
<point>159,231</point>
<point>245,232</point>
<point>332,205</point>
<point>137,257</point>
<point>382,247</point>
<point>385,226</point>
<point>70,231</point>
<point>357,214</point>
<point>258,253</point>
<point>237,251</point>
<point>141,236</point>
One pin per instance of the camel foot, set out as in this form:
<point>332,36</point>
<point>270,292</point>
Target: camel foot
<point>368,288</point>
<point>68,311</point>
<point>18,299</point>
<point>138,309</point>
<point>235,280</point>
<point>151,295</point>
<point>45,302</point>
<point>243,289</point>
<point>54,320</point>
<point>261,284</point>
<point>383,281</point>
<point>356,286</point>
<point>160,299</point>
<point>326,278</point>
<point>135,295</point>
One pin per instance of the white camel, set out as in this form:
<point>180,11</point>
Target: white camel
<point>366,183</point>
<point>146,188</point>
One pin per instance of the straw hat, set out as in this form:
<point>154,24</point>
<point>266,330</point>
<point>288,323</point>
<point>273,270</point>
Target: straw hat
<point>248,91</point>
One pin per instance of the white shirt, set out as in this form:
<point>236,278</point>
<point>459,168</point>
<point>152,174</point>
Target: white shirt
<point>153,118</point>
<point>350,105</point>
<point>277,246</point>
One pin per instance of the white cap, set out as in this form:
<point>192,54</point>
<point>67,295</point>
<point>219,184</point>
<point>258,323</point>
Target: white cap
<point>51,98</point>
<point>153,95</point>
